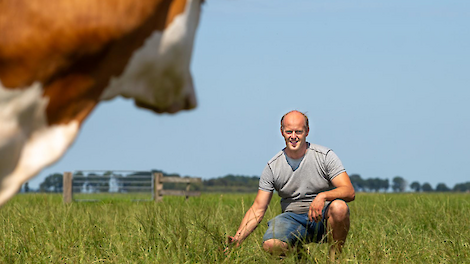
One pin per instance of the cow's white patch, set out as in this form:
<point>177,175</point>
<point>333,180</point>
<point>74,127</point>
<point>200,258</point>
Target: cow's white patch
<point>158,73</point>
<point>27,143</point>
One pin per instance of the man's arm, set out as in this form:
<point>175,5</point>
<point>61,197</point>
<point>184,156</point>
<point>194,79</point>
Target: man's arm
<point>344,190</point>
<point>253,217</point>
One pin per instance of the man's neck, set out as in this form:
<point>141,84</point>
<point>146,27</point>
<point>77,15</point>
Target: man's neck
<point>296,154</point>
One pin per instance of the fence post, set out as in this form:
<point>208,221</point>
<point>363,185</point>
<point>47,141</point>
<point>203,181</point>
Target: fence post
<point>158,185</point>
<point>188,185</point>
<point>67,187</point>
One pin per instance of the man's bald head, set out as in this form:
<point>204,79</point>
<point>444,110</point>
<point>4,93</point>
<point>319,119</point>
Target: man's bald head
<point>295,112</point>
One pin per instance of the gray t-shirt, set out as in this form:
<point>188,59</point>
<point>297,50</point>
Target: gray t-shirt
<point>299,187</point>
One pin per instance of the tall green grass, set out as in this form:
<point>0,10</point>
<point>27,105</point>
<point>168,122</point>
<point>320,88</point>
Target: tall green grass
<point>385,228</point>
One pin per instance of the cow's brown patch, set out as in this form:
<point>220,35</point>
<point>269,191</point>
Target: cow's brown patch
<point>74,47</point>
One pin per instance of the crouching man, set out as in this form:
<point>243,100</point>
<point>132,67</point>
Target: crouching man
<point>314,188</point>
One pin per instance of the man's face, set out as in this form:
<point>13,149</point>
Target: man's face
<point>295,133</point>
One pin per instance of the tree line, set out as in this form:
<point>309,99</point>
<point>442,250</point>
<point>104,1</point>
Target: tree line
<point>399,184</point>
<point>242,183</point>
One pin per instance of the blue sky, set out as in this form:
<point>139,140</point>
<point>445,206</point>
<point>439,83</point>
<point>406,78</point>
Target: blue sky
<point>384,83</point>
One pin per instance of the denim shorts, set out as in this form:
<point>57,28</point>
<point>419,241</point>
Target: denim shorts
<point>293,228</point>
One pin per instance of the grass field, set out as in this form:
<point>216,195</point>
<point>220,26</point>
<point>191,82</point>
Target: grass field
<point>385,228</point>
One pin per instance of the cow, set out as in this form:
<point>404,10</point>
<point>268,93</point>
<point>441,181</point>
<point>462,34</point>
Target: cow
<point>58,59</point>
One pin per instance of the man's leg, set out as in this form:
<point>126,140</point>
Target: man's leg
<point>275,246</point>
<point>283,231</point>
<point>338,225</point>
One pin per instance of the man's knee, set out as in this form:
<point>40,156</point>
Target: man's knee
<point>338,210</point>
<point>275,245</point>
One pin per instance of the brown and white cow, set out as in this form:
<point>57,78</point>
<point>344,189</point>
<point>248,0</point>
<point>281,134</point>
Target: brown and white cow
<point>58,59</point>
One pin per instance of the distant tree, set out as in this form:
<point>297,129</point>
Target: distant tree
<point>426,187</point>
<point>366,185</point>
<point>233,183</point>
<point>462,187</point>
<point>165,174</point>
<point>233,180</point>
<point>26,187</point>
<point>442,187</point>
<point>373,184</point>
<point>52,183</point>
<point>399,184</point>
<point>357,182</point>
<point>415,186</point>
<point>376,184</point>
<point>385,185</point>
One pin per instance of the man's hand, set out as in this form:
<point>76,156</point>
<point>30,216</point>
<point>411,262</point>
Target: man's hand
<point>231,242</point>
<point>316,208</point>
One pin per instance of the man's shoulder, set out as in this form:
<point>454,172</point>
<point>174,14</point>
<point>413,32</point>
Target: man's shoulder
<point>319,149</point>
<point>276,157</point>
